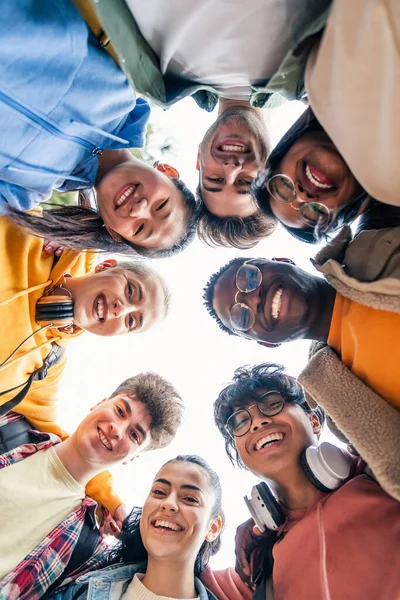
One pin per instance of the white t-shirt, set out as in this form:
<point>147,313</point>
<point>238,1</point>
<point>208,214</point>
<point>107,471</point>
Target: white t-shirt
<point>137,591</point>
<point>229,44</point>
<point>36,494</point>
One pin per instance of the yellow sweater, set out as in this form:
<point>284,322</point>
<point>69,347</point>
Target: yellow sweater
<point>26,271</point>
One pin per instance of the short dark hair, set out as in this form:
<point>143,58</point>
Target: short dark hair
<point>130,547</point>
<point>236,232</point>
<point>81,228</point>
<point>162,402</point>
<point>247,382</point>
<point>208,292</point>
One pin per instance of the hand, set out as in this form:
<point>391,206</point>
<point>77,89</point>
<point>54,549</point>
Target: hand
<point>245,541</point>
<point>52,247</point>
<point>110,525</point>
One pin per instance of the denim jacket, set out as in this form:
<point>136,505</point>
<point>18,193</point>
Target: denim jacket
<point>110,583</point>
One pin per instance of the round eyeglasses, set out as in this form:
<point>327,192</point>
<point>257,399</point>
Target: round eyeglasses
<point>269,404</point>
<point>248,279</point>
<point>314,214</point>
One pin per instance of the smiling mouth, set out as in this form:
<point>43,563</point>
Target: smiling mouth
<point>234,148</point>
<point>269,440</point>
<point>100,309</point>
<point>104,440</point>
<point>164,526</point>
<point>317,178</point>
<point>276,304</point>
<point>123,195</point>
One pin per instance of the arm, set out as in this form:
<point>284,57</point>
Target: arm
<point>226,584</point>
<point>367,420</point>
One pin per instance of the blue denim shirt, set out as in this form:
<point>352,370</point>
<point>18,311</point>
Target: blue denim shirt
<point>110,583</point>
<point>63,99</point>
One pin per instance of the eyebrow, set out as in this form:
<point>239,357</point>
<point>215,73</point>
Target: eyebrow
<point>187,486</point>
<point>216,190</point>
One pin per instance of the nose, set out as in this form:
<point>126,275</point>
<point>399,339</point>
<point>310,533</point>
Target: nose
<point>252,299</point>
<point>302,196</point>
<point>169,504</point>
<point>115,432</point>
<point>119,309</point>
<point>259,420</point>
<point>139,208</point>
<point>231,170</point>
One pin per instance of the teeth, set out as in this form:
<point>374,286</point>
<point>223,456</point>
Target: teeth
<point>168,525</point>
<point>104,441</point>
<point>233,148</point>
<point>268,439</point>
<point>100,308</point>
<point>314,180</point>
<point>276,303</point>
<point>124,196</point>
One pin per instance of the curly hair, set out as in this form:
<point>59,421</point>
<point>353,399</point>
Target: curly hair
<point>248,381</point>
<point>130,547</point>
<point>162,402</point>
<point>81,228</point>
<point>208,292</point>
<point>232,232</point>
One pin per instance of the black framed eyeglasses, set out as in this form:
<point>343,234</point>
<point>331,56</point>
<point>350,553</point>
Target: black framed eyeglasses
<point>314,214</point>
<point>269,404</point>
<point>248,279</point>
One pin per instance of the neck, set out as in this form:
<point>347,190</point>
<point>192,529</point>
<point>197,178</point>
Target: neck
<point>225,104</point>
<point>322,307</point>
<point>158,578</point>
<point>295,490</point>
<point>78,468</point>
<point>110,159</point>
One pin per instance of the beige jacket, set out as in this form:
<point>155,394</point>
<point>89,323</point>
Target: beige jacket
<point>366,270</point>
<point>353,84</point>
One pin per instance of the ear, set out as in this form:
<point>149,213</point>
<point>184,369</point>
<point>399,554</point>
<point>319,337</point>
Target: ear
<point>106,264</point>
<point>113,234</point>
<point>268,344</point>
<point>315,424</point>
<point>167,169</point>
<point>214,529</point>
<point>285,260</point>
<point>198,159</point>
<point>98,404</point>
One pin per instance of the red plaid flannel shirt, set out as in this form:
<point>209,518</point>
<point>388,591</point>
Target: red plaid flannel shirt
<point>45,564</point>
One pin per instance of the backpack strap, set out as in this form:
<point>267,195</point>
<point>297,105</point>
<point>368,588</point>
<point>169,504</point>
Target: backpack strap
<point>55,355</point>
<point>89,15</point>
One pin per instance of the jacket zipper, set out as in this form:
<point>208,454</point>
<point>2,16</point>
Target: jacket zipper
<point>41,123</point>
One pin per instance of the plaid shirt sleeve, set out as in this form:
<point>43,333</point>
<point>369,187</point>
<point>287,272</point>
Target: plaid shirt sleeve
<point>46,563</point>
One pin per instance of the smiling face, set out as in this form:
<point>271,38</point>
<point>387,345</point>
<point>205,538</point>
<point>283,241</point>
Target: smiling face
<point>230,154</point>
<point>177,515</point>
<point>319,174</point>
<point>115,430</point>
<point>289,303</point>
<point>142,204</point>
<point>114,301</point>
<point>274,445</point>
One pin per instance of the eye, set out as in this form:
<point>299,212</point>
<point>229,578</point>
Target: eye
<point>244,182</point>
<point>134,435</point>
<point>120,411</point>
<point>139,230</point>
<point>130,290</point>
<point>191,499</point>
<point>162,205</point>
<point>131,322</point>
<point>158,492</point>
<point>215,179</point>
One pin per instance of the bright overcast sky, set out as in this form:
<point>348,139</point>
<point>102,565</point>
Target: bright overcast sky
<point>188,348</point>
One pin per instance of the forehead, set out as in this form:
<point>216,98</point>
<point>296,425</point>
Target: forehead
<point>181,473</point>
<point>225,291</point>
<point>138,410</point>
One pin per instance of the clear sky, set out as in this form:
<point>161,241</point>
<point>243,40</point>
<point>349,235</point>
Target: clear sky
<point>188,348</point>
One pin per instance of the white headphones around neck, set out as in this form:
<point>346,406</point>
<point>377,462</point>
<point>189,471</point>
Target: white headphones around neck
<point>326,466</point>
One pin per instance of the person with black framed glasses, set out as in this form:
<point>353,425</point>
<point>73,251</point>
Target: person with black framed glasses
<point>309,188</point>
<point>353,313</point>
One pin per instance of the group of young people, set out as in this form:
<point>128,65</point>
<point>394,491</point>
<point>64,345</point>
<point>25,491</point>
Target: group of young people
<point>69,117</point>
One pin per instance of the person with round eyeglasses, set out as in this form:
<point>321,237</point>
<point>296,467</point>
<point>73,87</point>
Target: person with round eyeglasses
<point>269,404</point>
<point>309,188</point>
